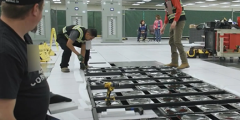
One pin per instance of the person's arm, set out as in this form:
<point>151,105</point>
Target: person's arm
<point>146,28</point>
<point>7,108</point>
<point>154,25</point>
<point>177,5</point>
<point>10,74</point>
<point>72,38</point>
<point>87,55</point>
<point>165,24</point>
<point>161,23</point>
<point>166,18</point>
<point>83,50</point>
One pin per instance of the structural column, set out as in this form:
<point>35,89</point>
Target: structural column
<point>43,32</point>
<point>76,12</point>
<point>111,21</point>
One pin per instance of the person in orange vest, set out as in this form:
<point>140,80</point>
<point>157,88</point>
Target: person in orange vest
<point>175,15</point>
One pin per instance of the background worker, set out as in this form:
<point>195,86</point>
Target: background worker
<point>157,25</point>
<point>75,35</point>
<point>24,91</point>
<point>175,15</point>
<point>142,30</point>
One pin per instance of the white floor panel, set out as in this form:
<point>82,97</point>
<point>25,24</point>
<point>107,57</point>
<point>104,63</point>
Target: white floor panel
<point>214,78</point>
<point>96,57</point>
<point>82,114</point>
<point>230,72</point>
<point>100,65</point>
<point>66,116</point>
<point>147,114</point>
<point>233,89</point>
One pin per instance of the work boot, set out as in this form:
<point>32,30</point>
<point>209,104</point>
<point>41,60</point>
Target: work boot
<point>172,65</point>
<point>183,65</point>
<point>65,69</point>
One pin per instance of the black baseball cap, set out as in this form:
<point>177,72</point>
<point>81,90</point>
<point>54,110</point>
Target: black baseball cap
<point>22,2</point>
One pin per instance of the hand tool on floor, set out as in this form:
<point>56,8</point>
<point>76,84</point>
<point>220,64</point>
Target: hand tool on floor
<point>110,87</point>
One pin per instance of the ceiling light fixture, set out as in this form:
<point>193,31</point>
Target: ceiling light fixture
<point>135,4</point>
<point>57,2</point>
<point>146,0</point>
<point>200,2</point>
<point>224,3</point>
<point>210,0</point>
<point>203,6</point>
<point>190,4</point>
<point>213,4</point>
<point>140,2</point>
<point>236,1</point>
<point>159,5</point>
<point>235,5</point>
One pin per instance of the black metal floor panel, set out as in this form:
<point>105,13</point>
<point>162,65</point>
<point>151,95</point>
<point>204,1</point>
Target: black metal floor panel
<point>171,94</point>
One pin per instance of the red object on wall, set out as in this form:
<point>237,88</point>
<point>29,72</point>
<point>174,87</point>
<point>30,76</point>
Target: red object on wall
<point>234,41</point>
<point>226,41</point>
<point>238,20</point>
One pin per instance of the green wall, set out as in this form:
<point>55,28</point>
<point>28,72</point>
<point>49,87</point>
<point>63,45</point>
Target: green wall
<point>132,19</point>
<point>61,19</point>
<point>94,20</point>
<point>193,17</point>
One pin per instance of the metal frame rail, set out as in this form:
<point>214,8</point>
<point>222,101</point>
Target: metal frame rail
<point>156,105</point>
<point>123,70</point>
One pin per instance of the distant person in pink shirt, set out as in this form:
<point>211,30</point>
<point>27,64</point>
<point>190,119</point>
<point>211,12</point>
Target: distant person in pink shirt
<point>157,27</point>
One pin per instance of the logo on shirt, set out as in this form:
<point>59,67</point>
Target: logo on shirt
<point>40,78</point>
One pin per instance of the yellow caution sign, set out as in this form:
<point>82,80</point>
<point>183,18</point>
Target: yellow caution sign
<point>43,53</point>
<point>53,36</point>
<point>48,49</point>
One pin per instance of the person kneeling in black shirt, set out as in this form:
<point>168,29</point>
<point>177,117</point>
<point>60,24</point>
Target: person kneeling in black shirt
<point>75,35</point>
<point>24,91</point>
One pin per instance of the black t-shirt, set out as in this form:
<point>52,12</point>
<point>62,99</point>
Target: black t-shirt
<point>30,89</point>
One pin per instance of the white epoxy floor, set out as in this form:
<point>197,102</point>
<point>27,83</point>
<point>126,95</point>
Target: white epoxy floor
<point>72,84</point>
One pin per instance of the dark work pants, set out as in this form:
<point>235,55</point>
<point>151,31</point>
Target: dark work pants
<point>158,35</point>
<point>143,34</point>
<point>62,40</point>
<point>176,43</point>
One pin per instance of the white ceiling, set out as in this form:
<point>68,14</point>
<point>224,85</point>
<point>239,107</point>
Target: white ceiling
<point>187,3</point>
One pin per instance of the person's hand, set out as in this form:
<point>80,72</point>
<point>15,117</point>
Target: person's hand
<point>80,57</point>
<point>162,31</point>
<point>173,25</point>
<point>82,66</point>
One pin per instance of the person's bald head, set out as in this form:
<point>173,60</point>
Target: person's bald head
<point>16,9</point>
<point>27,11</point>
